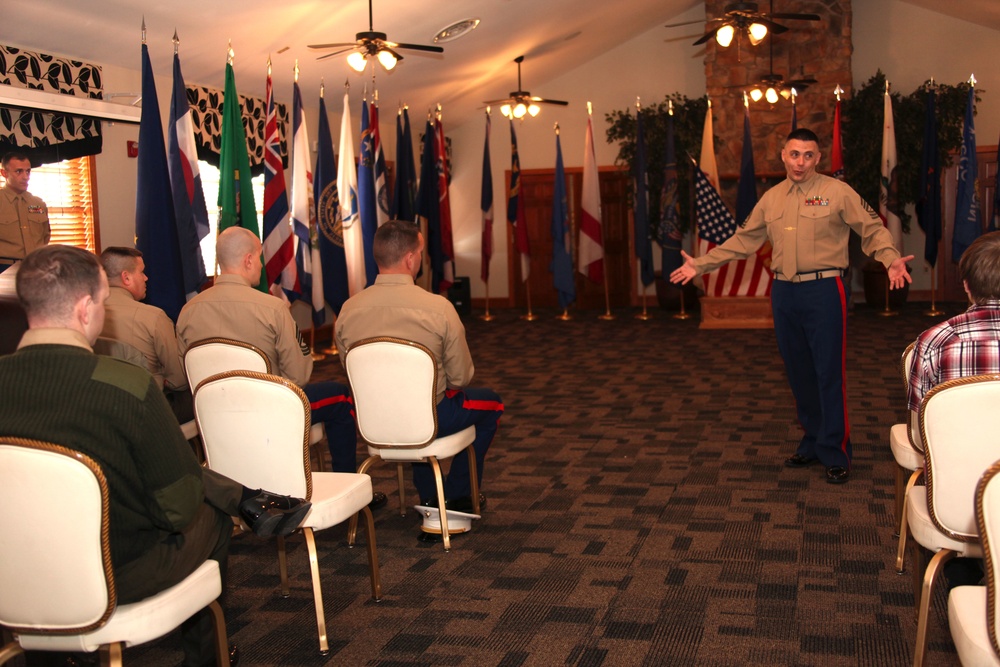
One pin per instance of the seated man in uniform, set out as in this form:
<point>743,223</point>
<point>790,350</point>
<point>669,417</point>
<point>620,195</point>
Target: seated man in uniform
<point>395,306</point>
<point>234,308</point>
<point>144,327</point>
<point>168,514</point>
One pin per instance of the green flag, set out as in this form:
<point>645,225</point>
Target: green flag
<point>236,204</point>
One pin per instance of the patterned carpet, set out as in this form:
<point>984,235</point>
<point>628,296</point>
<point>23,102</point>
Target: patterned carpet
<point>639,514</point>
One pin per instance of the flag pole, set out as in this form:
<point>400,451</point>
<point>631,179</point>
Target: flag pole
<point>683,314</point>
<point>604,270</point>
<point>644,315</point>
<point>933,310</point>
<point>316,356</point>
<point>487,317</point>
<point>887,311</point>
<point>529,316</point>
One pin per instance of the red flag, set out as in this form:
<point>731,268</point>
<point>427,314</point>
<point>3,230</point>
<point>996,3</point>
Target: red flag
<point>591,247</point>
<point>837,151</point>
<point>444,204</point>
<point>279,242</point>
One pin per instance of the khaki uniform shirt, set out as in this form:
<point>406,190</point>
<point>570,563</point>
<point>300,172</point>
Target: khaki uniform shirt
<point>24,223</point>
<point>394,306</point>
<point>808,225</point>
<point>149,330</point>
<point>233,309</point>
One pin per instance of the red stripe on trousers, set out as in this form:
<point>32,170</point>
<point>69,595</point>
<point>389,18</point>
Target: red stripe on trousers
<point>330,401</point>
<point>489,406</point>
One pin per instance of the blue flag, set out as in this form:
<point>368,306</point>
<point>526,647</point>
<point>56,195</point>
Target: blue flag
<point>486,204</point>
<point>329,220</point>
<point>155,228</point>
<point>367,197</point>
<point>968,224</point>
<point>405,192</point>
<point>929,202</point>
<point>746,192</point>
<point>668,232</point>
<point>640,206</point>
<point>190,212</point>
<point>562,254</point>
<point>429,206</point>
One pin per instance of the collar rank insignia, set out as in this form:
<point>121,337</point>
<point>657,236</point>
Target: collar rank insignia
<point>816,200</point>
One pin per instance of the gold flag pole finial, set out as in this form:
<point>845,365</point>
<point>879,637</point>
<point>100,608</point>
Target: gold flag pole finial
<point>590,108</point>
<point>144,29</point>
<point>972,80</point>
<point>296,70</point>
<point>230,54</point>
<point>556,128</point>
<point>638,106</point>
<point>177,42</point>
<point>347,85</point>
<point>838,91</point>
<point>322,87</point>
<point>269,64</point>
<point>709,101</point>
<point>670,107</point>
<point>487,110</point>
<point>887,86</point>
<point>746,100</point>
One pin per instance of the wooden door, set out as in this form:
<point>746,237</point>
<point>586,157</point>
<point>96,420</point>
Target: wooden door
<point>537,187</point>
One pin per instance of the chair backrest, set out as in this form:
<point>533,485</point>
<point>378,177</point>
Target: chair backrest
<point>217,355</point>
<point>255,428</point>
<point>913,416</point>
<point>988,519</point>
<point>55,556</point>
<point>394,387</point>
<point>959,422</point>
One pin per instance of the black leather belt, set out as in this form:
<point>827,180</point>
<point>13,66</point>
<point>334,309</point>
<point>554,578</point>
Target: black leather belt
<point>811,275</point>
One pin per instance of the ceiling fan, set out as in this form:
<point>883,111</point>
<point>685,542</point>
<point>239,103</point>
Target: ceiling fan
<point>745,17</point>
<point>520,101</point>
<point>772,85</point>
<point>370,44</point>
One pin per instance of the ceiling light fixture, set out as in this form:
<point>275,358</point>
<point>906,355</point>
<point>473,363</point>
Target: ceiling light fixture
<point>357,61</point>
<point>757,31</point>
<point>725,35</point>
<point>455,30</point>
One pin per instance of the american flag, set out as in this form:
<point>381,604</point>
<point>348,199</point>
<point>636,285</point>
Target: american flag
<point>746,277</point>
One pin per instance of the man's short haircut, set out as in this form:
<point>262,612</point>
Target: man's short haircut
<point>393,240</point>
<point>13,155</point>
<point>117,259</point>
<point>802,134</point>
<point>52,279</point>
<point>233,245</point>
<point>979,267</point>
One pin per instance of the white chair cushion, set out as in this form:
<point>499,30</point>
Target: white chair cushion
<point>906,456</point>
<point>336,497</point>
<point>442,448</point>
<point>926,533</point>
<point>142,621</point>
<point>967,618</point>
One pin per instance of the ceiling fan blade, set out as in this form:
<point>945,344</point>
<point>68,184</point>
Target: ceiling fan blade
<point>774,28</point>
<point>801,83</point>
<point>797,17</point>
<point>544,101</point>
<point>335,53</point>
<point>331,46</point>
<point>707,36</point>
<point>505,100</point>
<point>677,25</point>
<point>421,47</point>
<point>394,53</point>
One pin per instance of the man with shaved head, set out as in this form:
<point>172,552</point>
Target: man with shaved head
<point>235,309</point>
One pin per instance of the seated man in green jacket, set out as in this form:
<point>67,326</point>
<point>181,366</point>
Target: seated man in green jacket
<point>168,514</point>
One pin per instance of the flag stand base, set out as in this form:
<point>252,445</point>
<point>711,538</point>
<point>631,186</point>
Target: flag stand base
<point>564,316</point>
<point>487,317</point>
<point>529,317</point>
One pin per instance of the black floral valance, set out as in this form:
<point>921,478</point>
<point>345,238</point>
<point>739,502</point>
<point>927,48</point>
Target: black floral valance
<point>46,136</point>
<point>206,111</point>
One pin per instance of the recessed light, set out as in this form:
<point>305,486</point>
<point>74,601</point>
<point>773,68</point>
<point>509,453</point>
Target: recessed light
<point>455,30</point>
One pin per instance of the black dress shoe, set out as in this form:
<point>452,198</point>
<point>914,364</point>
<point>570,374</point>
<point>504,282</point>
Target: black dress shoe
<point>269,514</point>
<point>796,461</point>
<point>837,474</point>
<point>378,500</point>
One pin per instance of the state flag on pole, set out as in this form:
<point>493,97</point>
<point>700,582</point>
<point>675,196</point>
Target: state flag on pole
<point>888,202</point>
<point>591,249</point>
<point>236,204</point>
<point>929,201</point>
<point>329,223</point>
<point>668,232</point>
<point>347,188</point>
<point>279,242</point>
<point>750,277</point>
<point>486,205</point>
<point>190,212</point>
<point>155,227</point>
<point>428,207</point>
<point>304,213</point>
<point>444,204</point>
<point>367,197</point>
<point>968,224</point>
<point>563,278</point>
<point>515,209</point>
<point>381,189</point>
<point>707,159</point>
<point>405,192</point>
<point>640,206</point>
<point>837,146</point>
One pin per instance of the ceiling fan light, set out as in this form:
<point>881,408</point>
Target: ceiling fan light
<point>756,95</point>
<point>533,109</point>
<point>758,31</point>
<point>724,36</point>
<point>505,110</point>
<point>357,61</point>
<point>786,94</point>
<point>387,59</point>
<point>520,110</point>
<point>771,95</point>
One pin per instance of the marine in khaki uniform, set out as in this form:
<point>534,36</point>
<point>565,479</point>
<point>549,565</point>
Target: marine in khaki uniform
<point>24,218</point>
<point>144,327</point>
<point>808,219</point>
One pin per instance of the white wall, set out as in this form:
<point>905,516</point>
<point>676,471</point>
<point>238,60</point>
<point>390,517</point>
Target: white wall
<point>910,45</point>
